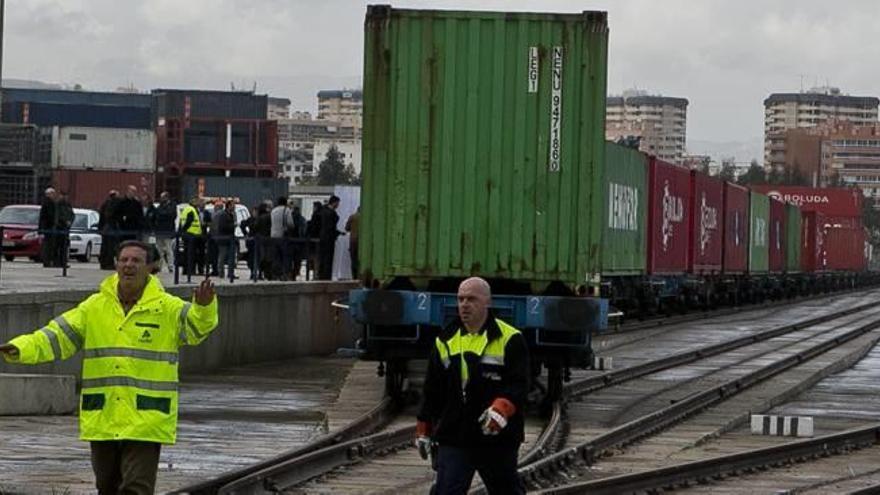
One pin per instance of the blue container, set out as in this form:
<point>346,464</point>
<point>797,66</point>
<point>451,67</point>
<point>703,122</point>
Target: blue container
<point>20,95</point>
<point>76,114</point>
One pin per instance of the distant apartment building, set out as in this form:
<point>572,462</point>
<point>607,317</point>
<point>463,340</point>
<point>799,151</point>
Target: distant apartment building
<point>278,108</point>
<point>659,122</point>
<point>299,149</point>
<point>343,106</point>
<point>839,148</point>
<point>350,150</point>
<point>784,111</point>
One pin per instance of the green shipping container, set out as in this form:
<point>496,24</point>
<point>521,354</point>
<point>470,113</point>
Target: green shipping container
<point>624,245</point>
<point>759,237</point>
<point>793,227</point>
<point>483,145</point>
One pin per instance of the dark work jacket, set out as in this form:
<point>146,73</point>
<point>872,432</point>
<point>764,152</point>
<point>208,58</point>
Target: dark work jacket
<point>63,215</point>
<point>129,215</point>
<point>454,420</point>
<point>47,214</point>
<point>329,220</point>
<point>163,218</point>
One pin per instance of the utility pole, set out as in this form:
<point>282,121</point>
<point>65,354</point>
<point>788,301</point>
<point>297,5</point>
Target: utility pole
<point>2,28</point>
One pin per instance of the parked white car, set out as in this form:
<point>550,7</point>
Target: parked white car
<point>85,241</point>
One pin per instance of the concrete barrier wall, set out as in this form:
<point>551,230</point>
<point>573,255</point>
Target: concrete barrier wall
<point>258,323</point>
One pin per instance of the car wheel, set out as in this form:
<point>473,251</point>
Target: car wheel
<point>87,255</point>
<point>8,257</point>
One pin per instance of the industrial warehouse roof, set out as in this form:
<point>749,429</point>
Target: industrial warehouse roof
<point>71,97</point>
<point>833,100</point>
<point>647,100</point>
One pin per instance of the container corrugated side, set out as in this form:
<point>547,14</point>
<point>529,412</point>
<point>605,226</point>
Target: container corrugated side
<point>61,114</point>
<point>624,245</point>
<point>845,249</point>
<point>706,239</point>
<point>759,232</point>
<point>172,103</point>
<point>776,247</point>
<point>70,97</point>
<point>466,171</point>
<point>97,148</point>
<point>793,228</point>
<point>736,229</point>
<point>669,217</point>
<point>248,191</point>
<point>89,188</point>
<point>812,241</point>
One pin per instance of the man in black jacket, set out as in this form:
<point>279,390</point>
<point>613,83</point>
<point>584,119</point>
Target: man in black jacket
<point>63,220</point>
<point>48,214</point>
<point>107,225</point>
<point>474,396</point>
<point>163,224</point>
<point>327,238</point>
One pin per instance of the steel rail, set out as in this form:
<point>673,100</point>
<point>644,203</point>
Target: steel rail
<point>373,419</point>
<point>704,471</point>
<point>868,490</point>
<point>294,471</point>
<point>272,470</point>
<point>538,472</point>
<point>650,323</point>
<point>588,385</point>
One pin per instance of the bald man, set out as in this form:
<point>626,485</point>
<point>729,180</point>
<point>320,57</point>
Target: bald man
<point>474,395</point>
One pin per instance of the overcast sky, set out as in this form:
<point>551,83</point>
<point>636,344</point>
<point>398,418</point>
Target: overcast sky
<point>723,56</point>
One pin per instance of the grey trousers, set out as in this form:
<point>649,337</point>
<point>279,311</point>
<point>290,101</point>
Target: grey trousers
<point>125,467</point>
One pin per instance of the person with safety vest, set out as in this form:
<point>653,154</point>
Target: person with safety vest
<point>192,234</point>
<point>474,394</point>
<point>130,332</point>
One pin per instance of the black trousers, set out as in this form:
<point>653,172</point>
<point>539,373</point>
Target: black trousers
<point>497,467</point>
<point>125,467</point>
<point>325,260</point>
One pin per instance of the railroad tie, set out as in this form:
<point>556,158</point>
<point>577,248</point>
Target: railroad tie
<point>783,426</point>
<point>602,363</point>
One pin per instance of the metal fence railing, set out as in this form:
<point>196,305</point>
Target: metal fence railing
<point>267,258</point>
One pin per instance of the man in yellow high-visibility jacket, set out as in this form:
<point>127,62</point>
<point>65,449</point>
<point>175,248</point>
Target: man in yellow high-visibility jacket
<point>130,332</point>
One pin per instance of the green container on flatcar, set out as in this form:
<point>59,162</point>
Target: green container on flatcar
<point>624,225</point>
<point>793,227</point>
<point>759,233</point>
<point>483,144</point>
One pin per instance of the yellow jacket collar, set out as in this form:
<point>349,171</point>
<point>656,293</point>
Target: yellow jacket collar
<point>154,288</point>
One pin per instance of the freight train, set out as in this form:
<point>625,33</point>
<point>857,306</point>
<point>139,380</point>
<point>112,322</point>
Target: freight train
<point>484,155</point>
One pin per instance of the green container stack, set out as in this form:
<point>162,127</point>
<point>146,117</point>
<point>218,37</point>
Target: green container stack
<point>759,237</point>
<point>483,145</point>
<point>624,245</point>
<point>793,227</point>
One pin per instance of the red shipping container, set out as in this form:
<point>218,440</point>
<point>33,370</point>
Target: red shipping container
<point>830,201</point>
<point>777,236</point>
<point>706,240</point>
<point>844,222</point>
<point>736,228</point>
<point>669,213</point>
<point>845,249</point>
<point>89,188</point>
<point>812,241</point>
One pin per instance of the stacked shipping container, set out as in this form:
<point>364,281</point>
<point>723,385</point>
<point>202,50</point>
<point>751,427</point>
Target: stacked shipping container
<point>669,217</point>
<point>736,229</point>
<point>706,240</point>
<point>776,237</point>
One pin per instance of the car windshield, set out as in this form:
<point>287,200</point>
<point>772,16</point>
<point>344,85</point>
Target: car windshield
<point>80,222</point>
<point>23,216</point>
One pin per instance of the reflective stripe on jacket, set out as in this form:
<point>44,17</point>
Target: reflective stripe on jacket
<point>195,227</point>
<point>466,373</point>
<point>129,372</point>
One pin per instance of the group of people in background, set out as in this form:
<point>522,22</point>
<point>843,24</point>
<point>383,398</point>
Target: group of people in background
<point>278,238</point>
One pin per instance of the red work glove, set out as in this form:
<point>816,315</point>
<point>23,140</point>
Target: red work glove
<point>495,417</point>
<point>423,439</point>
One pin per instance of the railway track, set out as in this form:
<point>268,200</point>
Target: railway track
<point>663,431</point>
<point>336,462</point>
